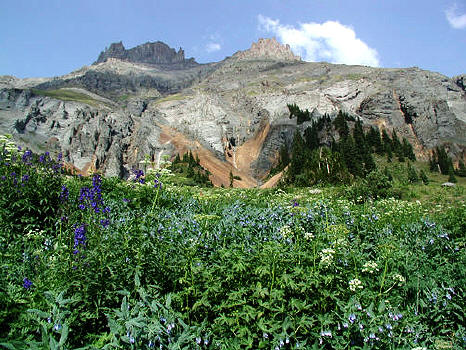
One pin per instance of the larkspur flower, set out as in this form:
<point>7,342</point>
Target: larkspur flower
<point>80,236</point>
<point>27,283</point>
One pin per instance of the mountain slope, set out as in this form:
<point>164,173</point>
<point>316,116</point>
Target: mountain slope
<point>232,113</point>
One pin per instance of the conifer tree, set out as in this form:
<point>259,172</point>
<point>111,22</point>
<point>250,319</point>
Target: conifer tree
<point>412,174</point>
<point>461,169</point>
<point>424,178</point>
<point>311,137</point>
<point>408,150</point>
<point>298,156</point>
<point>231,178</point>
<point>451,175</point>
<point>341,125</point>
<point>386,141</point>
<point>396,145</point>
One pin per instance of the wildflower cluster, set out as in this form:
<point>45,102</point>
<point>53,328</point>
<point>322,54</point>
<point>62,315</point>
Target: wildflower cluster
<point>371,267</point>
<point>79,238</point>
<point>355,284</point>
<point>326,256</point>
<point>139,176</point>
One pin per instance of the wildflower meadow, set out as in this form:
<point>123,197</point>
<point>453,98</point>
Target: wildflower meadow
<point>102,263</point>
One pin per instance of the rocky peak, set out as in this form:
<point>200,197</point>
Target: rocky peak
<point>150,53</point>
<point>268,48</point>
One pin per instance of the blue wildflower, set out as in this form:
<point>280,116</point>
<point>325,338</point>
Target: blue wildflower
<point>27,283</point>
<point>64,194</point>
<point>80,236</point>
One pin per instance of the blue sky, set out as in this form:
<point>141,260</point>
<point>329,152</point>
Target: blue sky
<point>53,37</point>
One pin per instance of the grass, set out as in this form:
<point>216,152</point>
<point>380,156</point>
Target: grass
<point>68,95</point>
<point>174,97</point>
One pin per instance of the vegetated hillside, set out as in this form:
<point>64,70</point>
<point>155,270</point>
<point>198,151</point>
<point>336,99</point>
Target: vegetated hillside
<point>233,113</point>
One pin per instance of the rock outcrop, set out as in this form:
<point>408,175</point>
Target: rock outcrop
<point>157,53</point>
<point>268,48</point>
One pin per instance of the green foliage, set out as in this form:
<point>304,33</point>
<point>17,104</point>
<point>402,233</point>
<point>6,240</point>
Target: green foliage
<point>413,177</point>
<point>302,116</point>
<point>67,95</point>
<point>376,185</point>
<point>190,268</point>
<point>424,178</point>
<point>189,168</point>
<point>461,169</point>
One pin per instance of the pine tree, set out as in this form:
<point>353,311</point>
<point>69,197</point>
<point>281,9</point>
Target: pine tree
<point>386,141</point>
<point>352,157</point>
<point>451,175</point>
<point>373,138</point>
<point>298,157</point>
<point>396,145</point>
<point>408,150</point>
<point>311,137</point>
<point>443,161</point>
<point>461,169</point>
<point>231,178</point>
<point>341,125</point>
<point>424,178</point>
<point>412,174</point>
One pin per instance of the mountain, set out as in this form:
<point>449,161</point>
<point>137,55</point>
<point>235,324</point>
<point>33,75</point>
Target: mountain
<point>157,53</point>
<point>151,101</point>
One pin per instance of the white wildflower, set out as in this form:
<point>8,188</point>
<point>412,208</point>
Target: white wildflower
<point>308,235</point>
<point>326,256</point>
<point>355,284</point>
<point>370,266</point>
<point>286,231</point>
<point>398,278</point>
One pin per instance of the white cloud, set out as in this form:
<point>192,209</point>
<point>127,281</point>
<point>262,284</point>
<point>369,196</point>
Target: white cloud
<point>455,19</point>
<point>329,41</point>
<point>212,47</point>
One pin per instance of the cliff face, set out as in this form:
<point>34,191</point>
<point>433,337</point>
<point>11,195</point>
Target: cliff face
<point>233,114</point>
<point>157,53</point>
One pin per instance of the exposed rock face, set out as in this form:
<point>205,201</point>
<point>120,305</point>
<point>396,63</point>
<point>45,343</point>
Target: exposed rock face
<point>151,53</point>
<point>268,48</point>
<point>233,114</point>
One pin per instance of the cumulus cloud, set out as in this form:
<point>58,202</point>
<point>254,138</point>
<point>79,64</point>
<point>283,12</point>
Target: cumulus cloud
<point>212,47</point>
<point>329,41</point>
<point>456,20</point>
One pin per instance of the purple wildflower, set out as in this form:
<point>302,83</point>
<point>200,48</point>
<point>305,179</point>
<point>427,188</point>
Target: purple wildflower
<point>80,236</point>
<point>27,283</point>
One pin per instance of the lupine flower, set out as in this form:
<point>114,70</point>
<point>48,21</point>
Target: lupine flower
<point>105,222</point>
<point>27,283</point>
<point>64,194</point>
<point>352,318</point>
